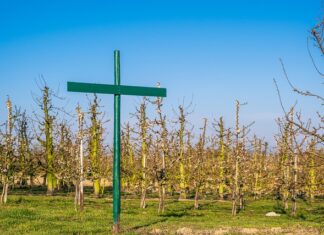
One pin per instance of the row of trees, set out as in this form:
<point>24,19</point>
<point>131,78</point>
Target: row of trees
<point>159,156</point>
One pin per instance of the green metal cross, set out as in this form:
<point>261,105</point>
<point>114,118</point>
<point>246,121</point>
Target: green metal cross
<point>117,90</point>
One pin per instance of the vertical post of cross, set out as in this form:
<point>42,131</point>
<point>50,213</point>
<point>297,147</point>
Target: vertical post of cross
<point>116,164</point>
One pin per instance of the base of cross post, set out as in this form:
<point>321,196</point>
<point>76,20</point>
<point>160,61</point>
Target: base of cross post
<point>116,228</point>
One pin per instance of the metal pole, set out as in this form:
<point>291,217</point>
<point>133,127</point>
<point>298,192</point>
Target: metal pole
<point>116,165</point>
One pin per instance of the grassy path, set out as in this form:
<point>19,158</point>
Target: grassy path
<point>56,215</point>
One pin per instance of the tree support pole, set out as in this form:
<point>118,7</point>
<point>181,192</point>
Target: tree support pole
<point>116,164</point>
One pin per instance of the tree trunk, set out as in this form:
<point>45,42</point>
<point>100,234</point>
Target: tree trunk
<point>241,198</point>
<point>31,181</point>
<point>183,194</point>
<point>286,202</point>
<point>312,174</point>
<point>182,173</point>
<point>285,195</point>
<point>143,184</point>
<point>143,197</point>
<point>77,196</point>
<point>95,145</point>
<point>4,194</point>
<point>144,151</point>
<point>235,188</point>
<point>81,197</point>
<point>96,187</point>
<point>221,159</point>
<point>196,198</point>
<point>161,199</point>
<point>235,193</point>
<point>234,209</point>
<point>50,179</point>
<point>294,196</point>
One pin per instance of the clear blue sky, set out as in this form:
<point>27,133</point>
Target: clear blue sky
<point>211,52</point>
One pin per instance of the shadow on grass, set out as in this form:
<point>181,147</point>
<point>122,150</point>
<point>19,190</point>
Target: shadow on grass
<point>279,208</point>
<point>189,205</point>
<point>301,216</point>
<point>319,210</point>
<point>146,225</point>
<point>177,214</point>
<point>213,206</point>
<point>187,210</point>
<point>317,220</point>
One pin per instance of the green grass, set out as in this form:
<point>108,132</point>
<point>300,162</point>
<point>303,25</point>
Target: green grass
<point>36,214</point>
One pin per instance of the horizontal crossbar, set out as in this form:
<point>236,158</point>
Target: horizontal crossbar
<point>115,89</point>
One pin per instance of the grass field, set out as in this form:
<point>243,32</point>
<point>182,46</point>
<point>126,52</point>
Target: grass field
<point>37,214</point>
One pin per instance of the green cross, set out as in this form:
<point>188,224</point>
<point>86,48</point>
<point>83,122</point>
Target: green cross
<point>117,90</point>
